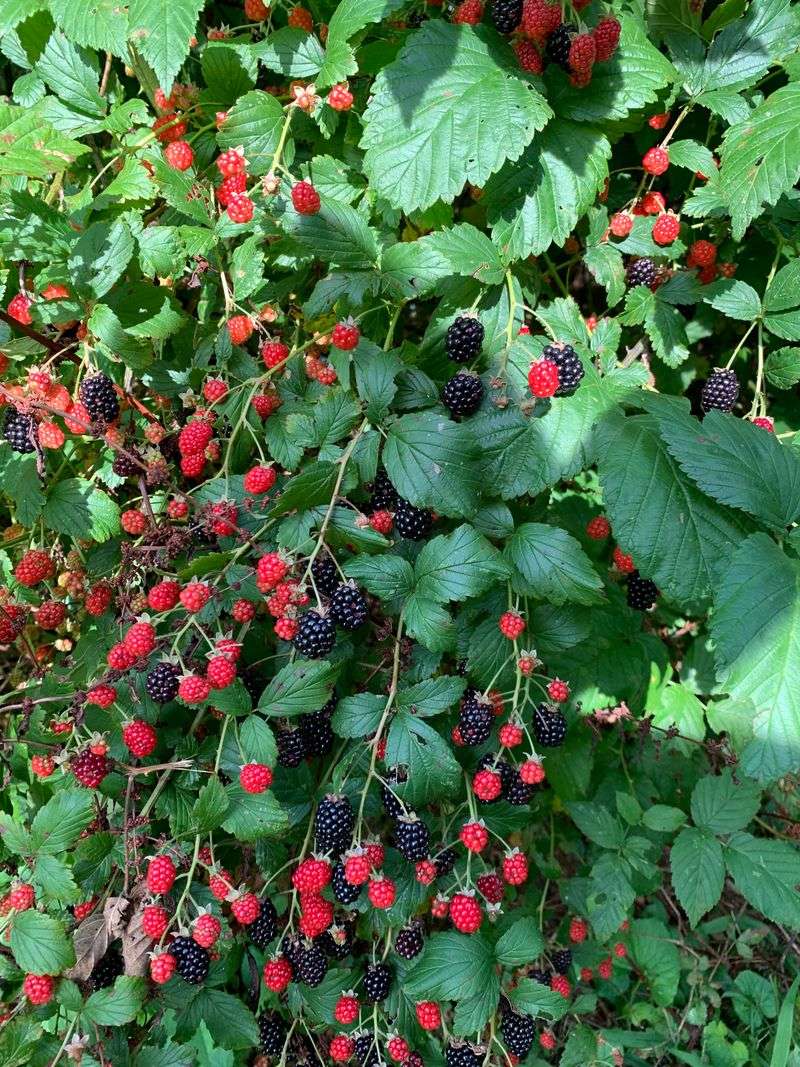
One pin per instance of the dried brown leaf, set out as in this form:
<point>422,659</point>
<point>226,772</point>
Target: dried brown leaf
<point>93,936</point>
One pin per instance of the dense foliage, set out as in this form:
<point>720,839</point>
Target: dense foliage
<point>400,606</point>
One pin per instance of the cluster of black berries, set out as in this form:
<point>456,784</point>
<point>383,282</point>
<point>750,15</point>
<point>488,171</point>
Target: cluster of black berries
<point>19,430</point>
<point>570,368</point>
<point>191,959</point>
<point>311,735</point>
<point>463,393</point>
<point>347,607</point>
<point>409,522</point>
<point>641,272</point>
<point>98,397</point>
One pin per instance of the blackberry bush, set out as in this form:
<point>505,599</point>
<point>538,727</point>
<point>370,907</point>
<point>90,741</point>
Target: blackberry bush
<point>399,569</point>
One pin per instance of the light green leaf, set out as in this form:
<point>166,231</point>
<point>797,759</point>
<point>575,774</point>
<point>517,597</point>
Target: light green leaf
<point>746,47</point>
<point>99,24</point>
<point>59,823</point>
<point>39,944</point>
<point>429,623</point>
<point>552,565</point>
<point>783,1031</point>
<point>782,367</point>
<point>383,576</point>
<point>698,872</point>
<point>291,51</point>
<point>254,122</point>
<point>313,486</point>
<point>663,818</point>
<point>358,715</point>
<point>536,201</point>
<point>337,233</point>
<point>161,30</point>
<point>766,872</point>
<point>533,998</point>
<point>734,298</point>
<point>349,17</point>
<point>431,696</point>
<point>457,566</point>
<point>70,75</point>
<point>76,507</point>
<point>257,741</point>
<point>756,632</point>
<point>298,688</point>
<point>782,302</point>
<point>117,1004</point>
<point>424,141</point>
<point>251,816</point>
<point>210,806</point>
<point>648,498</point>
<point>431,462</point>
<point>467,251</point>
<point>761,157</point>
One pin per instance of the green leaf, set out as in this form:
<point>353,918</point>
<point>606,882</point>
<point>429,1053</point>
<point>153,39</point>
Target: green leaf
<point>457,566</point>
<point>252,816</point>
<point>761,157</point>
<point>521,943</point>
<point>69,73</point>
<point>210,807</point>
<point>472,1013</point>
<point>39,944</point>
<point>692,155</point>
<point>337,233</point>
<point>54,880</point>
<point>258,741</point>
<point>100,24</point>
<point>208,1054</point>
<point>597,824</point>
<point>766,873</point>
<point>746,48</point>
<point>76,507</point>
<point>431,696</point>
<point>537,201</point>
<point>782,302</point>
<point>648,498</point>
<point>358,715</point>
<point>255,123</point>
<point>533,998</point>
<point>452,967</point>
<point>386,577</point>
<point>431,462</point>
<point>291,51</point>
<point>431,122</point>
<point>610,895</point>
<point>429,623</point>
<point>552,565</point>
<point>298,688</point>
<point>58,824</point>
<point>698,872</point>
<point>161,30</point>
<point>783,1030</point>
<point>349,17</point>
<point>734,298</point>
<point>231,1024</point>
<point>627,82</point>
<point>756,633</point>
<point>722,805</point>
<point>432,769</point>
<point>663,818</point>
<point>14,836</point>
<point>13,12</point>
<point>99,257</point>
<point>738,464</point>
<point>117,1004</point>
<point>467,251</point>
<point>229,72</point>
<point>247,267</point>
<point>655,954</point>
<point>314,486</point>
<point>29,144</point>
<point>782,367</point>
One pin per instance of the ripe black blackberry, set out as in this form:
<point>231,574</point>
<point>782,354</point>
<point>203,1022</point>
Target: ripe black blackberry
<point>98,397</point>
<point>124,465</point>
<point>562,960</point>
<point>463,393</point>
<point>392,804</point>
<point>107,970</point>
<point>475,718</point>
<point>162,682</point>
<point>191,959</point>
<point>291,746</point>
<point>559,43</point>
<point>409,941</point>
<point>336,943</point>
<point>515,791</point>
<point>641,272</point>
<point>272,1029</point>
<point>377,982</point>
<point>293,949</point>
<point>316,635</point>
<point>464,339</point>
<point>412,838</point>
<point>333,823</point>
<point>348,607</point>
<point>366,1050</point>
<point>19,431</point>
<point>384,495</point>
<point>542,977</point>
<point>642,593</point>
<point>413,523</point>
<point>721,391</point>
<point>506,15</point>
<point>312,966</point>
<point>518,1033</point>
<point>264,929</point>
<point>549,726</point>
<point>325,575</point>
<point>570,368</point>
<point>461,1054</point>
<point>445,861</point>
<point>344,891</point>
<point>316,731</point>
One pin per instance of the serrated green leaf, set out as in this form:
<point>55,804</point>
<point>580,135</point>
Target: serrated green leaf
<point>297,688</point>
<point>386,577</point>
<point>452,967</point>
<point>432,768</point>
<point>533,998</point>
<point>424,142</point>
<point>358,715</point>
<point>657,957</point>
<point>722,805</point>
<point>161,30</point>
<point>252,816</point>
<point>746,48</point>
<point>306,490</point>
<point>431,462</point>
<point>337,234</point>
<point>782,367</point>
<point>520,943</point>
<point>457,566</point>
<point>254,122</point>
<point>57,825</point>
<point>761,157</point>
<point>292,52</point>
<point>210,807</point>
<point>70,75</point>
<point>766,872</point>
<point>782,303</point>
<point>429,623</point>
<point>431,696</point>
<point>118,1004</point>
<point>756,632</point>
<point>734,298</point>
<point>39,944</point>
<point>698,872</point>
<point>551,565</point>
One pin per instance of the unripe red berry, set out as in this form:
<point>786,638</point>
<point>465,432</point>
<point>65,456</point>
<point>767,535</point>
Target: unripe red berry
<point>161,875</point>
<point>543,378</point>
